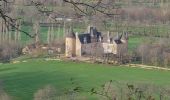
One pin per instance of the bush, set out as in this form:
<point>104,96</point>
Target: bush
<point>9,51</point>
<point>47,93</point>
<point>50,93</point>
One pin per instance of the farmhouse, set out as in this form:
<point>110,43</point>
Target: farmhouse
<point>94,42</point>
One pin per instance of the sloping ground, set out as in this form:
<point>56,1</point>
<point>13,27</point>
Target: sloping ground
<point>22,79</point>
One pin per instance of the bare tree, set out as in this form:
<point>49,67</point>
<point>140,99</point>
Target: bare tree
<point>50,34</point>
<point>17,32</point>
<point>36,29</point>
<point>9,20</point>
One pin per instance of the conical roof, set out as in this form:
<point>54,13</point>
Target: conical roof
<point>70,33</point>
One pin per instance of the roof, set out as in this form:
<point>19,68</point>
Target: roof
<point>118,41</point>
<point>70,33</point>
<point>87,37</point>
<point>93,34</point>
<point>82,36</point>
<point>94,31</point>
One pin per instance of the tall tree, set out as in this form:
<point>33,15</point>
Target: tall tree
<point>36,29</point>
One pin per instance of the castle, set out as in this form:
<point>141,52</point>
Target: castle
<point>95,43</point>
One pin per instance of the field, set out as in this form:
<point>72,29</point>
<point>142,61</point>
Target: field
<point>146,22</point>
<point>23,79</point>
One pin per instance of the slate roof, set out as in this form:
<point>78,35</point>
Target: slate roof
<point>70,33</point>
<point>118,41</point>
<point>88,36</point>
<point>85,35</point>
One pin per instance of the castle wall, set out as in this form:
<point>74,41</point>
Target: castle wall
<point>102,48</point>
<point>92,49</point>
<point>110,48</point>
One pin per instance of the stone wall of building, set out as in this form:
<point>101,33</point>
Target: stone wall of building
<point>92,49</point>
<point>110,48</point>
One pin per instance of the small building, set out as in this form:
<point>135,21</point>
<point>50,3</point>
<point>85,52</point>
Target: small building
<point>94,42</point>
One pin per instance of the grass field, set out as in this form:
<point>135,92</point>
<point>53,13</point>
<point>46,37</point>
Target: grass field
<point>22,80</point>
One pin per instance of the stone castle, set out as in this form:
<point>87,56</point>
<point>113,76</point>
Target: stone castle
<point>94,42</point>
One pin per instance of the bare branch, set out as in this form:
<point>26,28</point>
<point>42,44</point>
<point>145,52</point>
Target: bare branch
<point>95,7</point>
<point>9,21</point>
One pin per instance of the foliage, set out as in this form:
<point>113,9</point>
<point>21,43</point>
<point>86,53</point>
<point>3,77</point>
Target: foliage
<point>9,50</point>
<point>47,93</point>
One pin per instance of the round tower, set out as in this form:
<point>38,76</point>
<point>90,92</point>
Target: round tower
<point>70,43</point>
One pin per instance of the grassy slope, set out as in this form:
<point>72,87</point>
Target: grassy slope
<point>23,79</point>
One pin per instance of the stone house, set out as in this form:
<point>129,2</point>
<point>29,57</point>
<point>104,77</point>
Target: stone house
<point>94,42</point>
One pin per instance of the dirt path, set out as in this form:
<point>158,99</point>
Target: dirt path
<point>147,67</point>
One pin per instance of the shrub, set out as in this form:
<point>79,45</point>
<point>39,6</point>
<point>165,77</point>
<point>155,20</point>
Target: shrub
<point>9,51</point>
<point>50,93</point>
<point>47,93</point>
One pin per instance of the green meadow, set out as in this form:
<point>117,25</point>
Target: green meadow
<point>22,80</point>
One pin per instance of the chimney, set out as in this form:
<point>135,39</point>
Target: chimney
<point>108,37</point>
<point>88,29</point>
<point>91,32</point>
<point>117,35</point>
<point>100,39</point>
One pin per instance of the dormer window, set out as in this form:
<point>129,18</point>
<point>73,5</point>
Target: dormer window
<point>108,40</point>
<point>100,39</point>
<point>85,40</point>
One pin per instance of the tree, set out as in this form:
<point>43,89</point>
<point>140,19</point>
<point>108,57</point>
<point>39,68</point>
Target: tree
<point>81,7</point>
<point>36,30</point>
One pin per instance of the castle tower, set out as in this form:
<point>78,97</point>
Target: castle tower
<point>70,44</point>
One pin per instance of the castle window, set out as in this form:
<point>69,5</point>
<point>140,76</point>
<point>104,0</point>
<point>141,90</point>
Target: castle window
<point>100,39</point>
<point>85,40</point>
